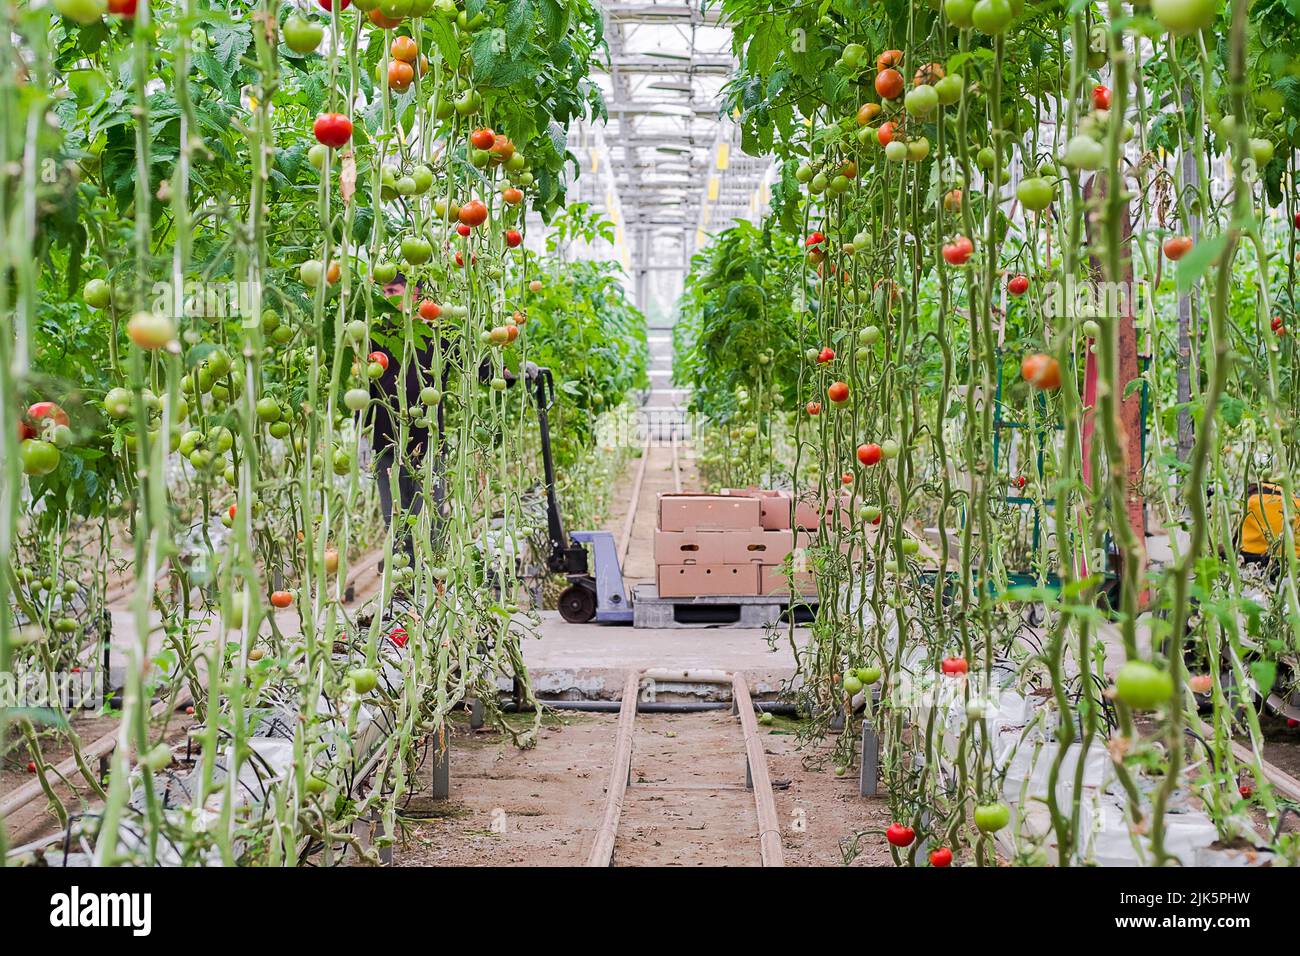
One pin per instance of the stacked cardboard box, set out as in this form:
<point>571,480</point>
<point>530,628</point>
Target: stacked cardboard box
<point>735,543</point>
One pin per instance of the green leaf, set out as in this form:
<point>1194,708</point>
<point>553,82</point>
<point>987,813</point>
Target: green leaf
<point>1193,265</point>
<point>1231,410</point>
<point>1264,674</point>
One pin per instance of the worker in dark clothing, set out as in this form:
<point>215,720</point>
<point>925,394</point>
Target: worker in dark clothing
<point>386,427</point>
<point>384,393</point>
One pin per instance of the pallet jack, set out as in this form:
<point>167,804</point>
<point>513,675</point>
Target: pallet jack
<point>602,596</point>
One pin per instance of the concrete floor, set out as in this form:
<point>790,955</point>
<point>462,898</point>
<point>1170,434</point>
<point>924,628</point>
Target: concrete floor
<point>592,660</point>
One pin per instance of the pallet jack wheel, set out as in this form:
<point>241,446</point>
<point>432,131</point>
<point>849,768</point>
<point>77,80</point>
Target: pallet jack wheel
<point>577,604</point>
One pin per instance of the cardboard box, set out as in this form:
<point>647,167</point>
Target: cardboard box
<point>758,547</point>
<point>772,581</point>
<point>774,506</point>
<point>691,547</point>
<point>837,509</point>
<point>696,512</point>
<point>707,580</point>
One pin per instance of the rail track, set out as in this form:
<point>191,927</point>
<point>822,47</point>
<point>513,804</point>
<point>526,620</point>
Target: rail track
<point>608,847</point>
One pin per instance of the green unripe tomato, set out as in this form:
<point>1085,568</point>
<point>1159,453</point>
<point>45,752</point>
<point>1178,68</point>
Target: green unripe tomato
<point>960,13</point>
<point>992,16</point>
<point>97,293</point>
<point>268,409</point>
<point>1143,686</point>
<point>423,177</point>
<point>1035,193</point>
<point>992,817</point>
<point>949,89</point>
<point>118,403</point>
<point>922,100</point>
<point>1182,17</point>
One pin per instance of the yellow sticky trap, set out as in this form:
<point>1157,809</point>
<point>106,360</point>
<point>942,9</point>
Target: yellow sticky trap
<point>724,155</point>
<point>714,184</point>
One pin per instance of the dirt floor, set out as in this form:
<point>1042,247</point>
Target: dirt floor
<point>36,819</point>
<point>686,806</point>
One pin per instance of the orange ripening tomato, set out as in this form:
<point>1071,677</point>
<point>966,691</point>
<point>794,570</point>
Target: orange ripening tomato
<point>1041,371</point>
<point>889,58</point>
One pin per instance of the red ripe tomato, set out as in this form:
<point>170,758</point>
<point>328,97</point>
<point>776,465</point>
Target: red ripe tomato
<point>1018,285</point>
<point>123,8</point>
<point>31,766</point>
<point>869,454</point>
<point>430,310</point>
<point>889,84</point>
<point>460,260</point>
<point>379,358</point>
<point>827,354</point>
<point>813,408</point>
<point>25,431</point>
<point>334,4</point>
<point>513,238</point>
<point>232,512</point>
<point>463,229</point>
<point>1020,481</point>
<point>281,598</point>
<point>889,58</point>
<point>1276,324</point>
<point>482,138</point>
<point>1297,220</point>
<point>405,49</point>
<point>899,835</point>
<point>48,410</point>
<point>958,251</point>
<point>814,239</point>
<point>400,75</point>
<point>954,665</point>
<point>1246,791</point>
<point>1176,247</point>
<point>885,135</point>
<point>941,857</point>
<point>473,213</point>
<point>846,478</point>
<point>332,129</point>
<point>1041,371</point>
<point>1101,97</point>
<point>1280,330</point>
<point>502,148</point>
<point>838,392</point>
<point>399,636</point>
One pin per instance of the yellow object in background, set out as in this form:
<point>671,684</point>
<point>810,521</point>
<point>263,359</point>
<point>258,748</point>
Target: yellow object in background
<point>1262,526</point>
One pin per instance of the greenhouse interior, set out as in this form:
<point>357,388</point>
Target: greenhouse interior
<point>650,433</point>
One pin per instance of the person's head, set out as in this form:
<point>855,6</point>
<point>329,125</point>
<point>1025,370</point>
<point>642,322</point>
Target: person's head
<point>396,288</point>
